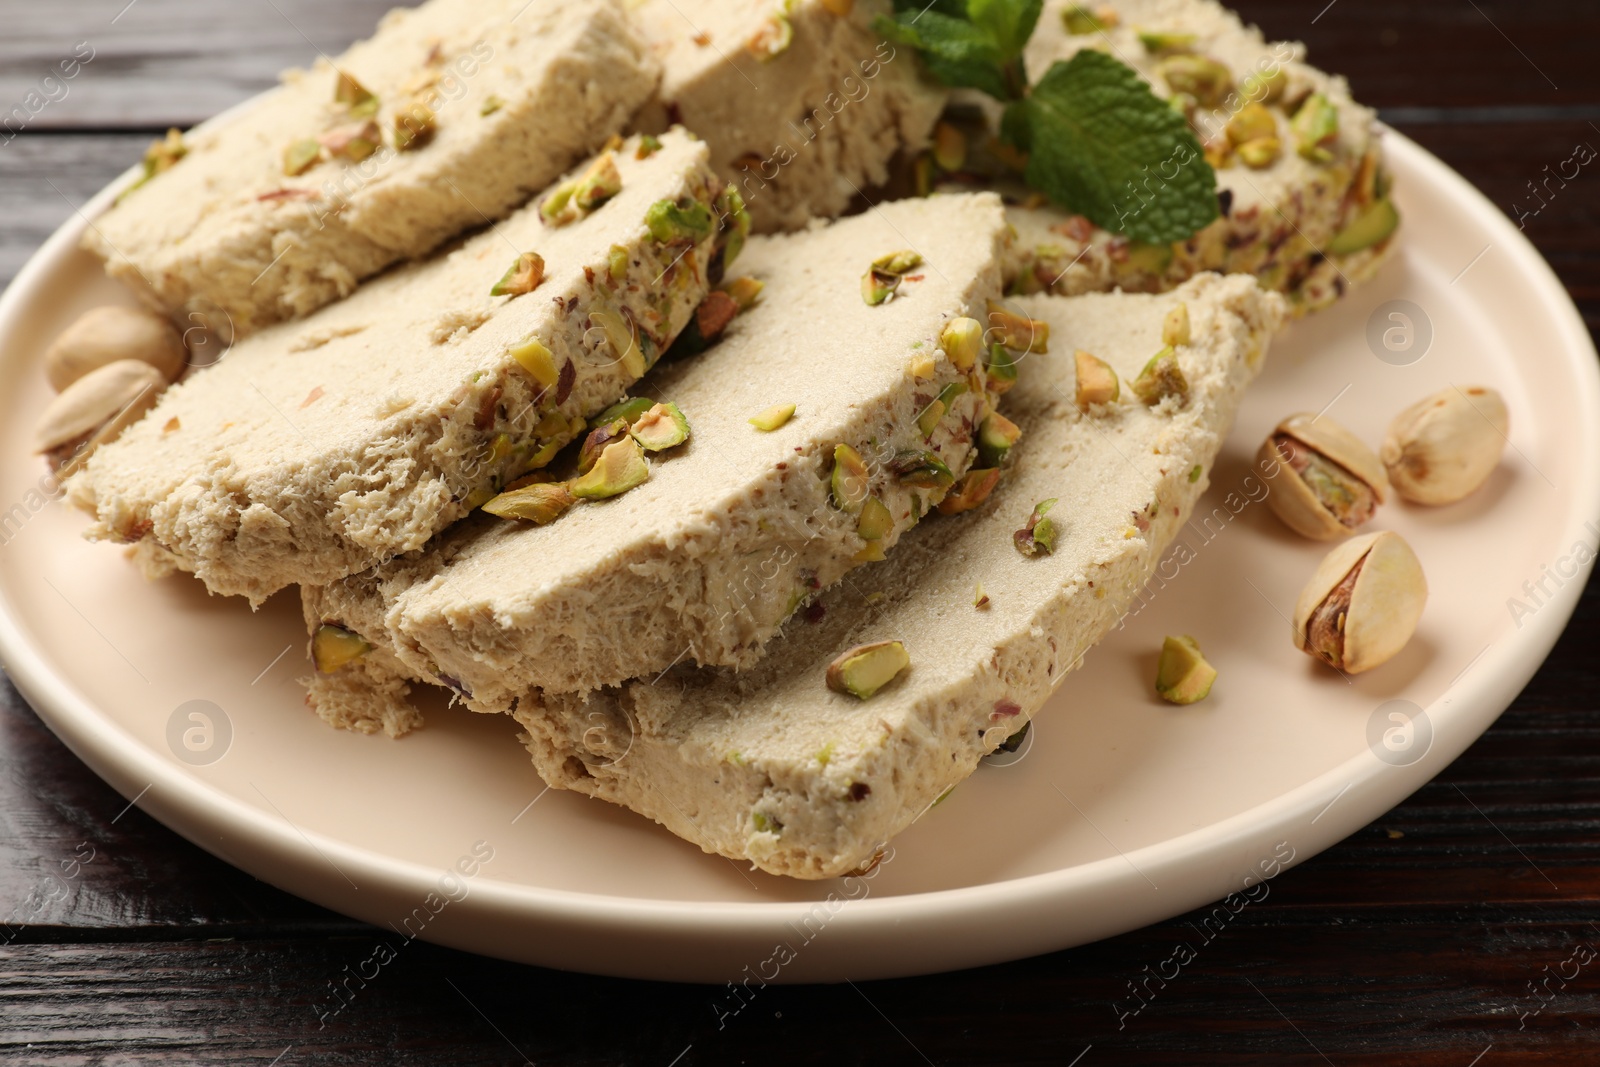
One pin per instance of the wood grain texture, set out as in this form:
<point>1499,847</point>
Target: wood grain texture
<point>1443,932</point>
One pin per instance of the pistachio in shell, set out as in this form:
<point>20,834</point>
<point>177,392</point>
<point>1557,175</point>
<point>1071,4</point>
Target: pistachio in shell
<point>1334,482</point>
<point>1362,604</point>
<point>95,410</point>
<point>1442,448</point>
<point>110,333</point>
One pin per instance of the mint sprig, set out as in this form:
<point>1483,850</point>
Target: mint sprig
<point>1099,141</point>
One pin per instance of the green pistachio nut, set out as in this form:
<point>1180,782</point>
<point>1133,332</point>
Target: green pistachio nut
<point>621,467</point>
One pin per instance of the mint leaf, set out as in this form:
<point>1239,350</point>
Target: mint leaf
<point>956,9</point>
<point>1009,22</point>
<point>1103,144</point>
<point>959,54</point>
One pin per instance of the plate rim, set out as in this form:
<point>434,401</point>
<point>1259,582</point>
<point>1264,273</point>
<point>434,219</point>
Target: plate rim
<point>208,816</point>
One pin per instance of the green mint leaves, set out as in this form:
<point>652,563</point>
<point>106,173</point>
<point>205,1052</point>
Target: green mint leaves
<point>1099,141</point>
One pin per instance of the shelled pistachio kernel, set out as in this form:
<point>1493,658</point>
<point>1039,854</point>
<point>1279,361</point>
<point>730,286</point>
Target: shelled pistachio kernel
<point>1175,328</point>
<point>1039,536</point>
<point>773,418</point>
<point>1017,332</point>
<point>1161,378</point>
<point>996,436</point>
<point>621,467</point>
<point>772,38</point>
<point>949,147</point>
<point>883,277</point>
<point>924,366</point>
<point>301,156</point>
<point>970,492</point>
<point>491,104</point>
<point>930,417</point>
<point>623,337</point>
<point>1201,77</point>
<point>1080,21</point>
<point>961,340</point>
<point>1362,604</point>
<point>862,671</point>
<point>603,434</point>
<point>352,95</point>
<point>525,275</point>
<point>599,183</point>
<point>664,426</point>
<point>921,470</point>
<point>1166,42</point>
<point>1000,372</point>
<point>744,291</point>
<point>875,521</point>
<point>1183,676</point>
<point>685,219</point>
<point>1316,128</point>
<point>334,647</point>
<point>414,126</point>
<point>540,503</point>
<point>1261,153</point>
<point>1097,382</point>
<point>1252,122</point>
<point>848,482</point>
<point>628,409</point>
<point>532,356</point>
<point>980,599</point>
<point>1264,87</point>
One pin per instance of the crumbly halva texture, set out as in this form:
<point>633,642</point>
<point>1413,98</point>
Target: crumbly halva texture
<point>511,95</point>
<point>769,765</point>
<point>1278,221</point>
<point>803,107</point>
<point>735,529</point>
<point>321,448</point>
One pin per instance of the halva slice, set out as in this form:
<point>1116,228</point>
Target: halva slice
<point>803,104</point>
<point>727,529</point>
<point>773,766</point>
<point>447,118</point>
<point>319,448</point>
<point>1302,190</point>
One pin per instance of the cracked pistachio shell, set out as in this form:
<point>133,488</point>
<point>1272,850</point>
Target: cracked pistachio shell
<point>1443,447</point>
<point>1385,604</point>
<point>1292,500</point>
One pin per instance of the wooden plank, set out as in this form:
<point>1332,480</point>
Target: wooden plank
<point>158,64</point>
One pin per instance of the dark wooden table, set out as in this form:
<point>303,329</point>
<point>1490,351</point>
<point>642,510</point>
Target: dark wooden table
<point>1443,935</point>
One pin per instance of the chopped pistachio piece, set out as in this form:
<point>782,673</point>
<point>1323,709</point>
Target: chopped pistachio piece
<point>525,275</point>
<point>354,96</point>
<point>871,552</point>
<point>1183,676</point>
<point>1316,128</point>
<point>491,104</point>
<point>934,413</point>
<point>620,467</point>
<point>1149,258</point>
<point>617,263</point>
<point>877,287</point>
<point>1261,153</point>
<point>540,503</point>
<point>664,426</point>
<point>1040,533</point>
<point>623,337</point>
<point>1175,327</point>
<point>1001,370</point>
<point>848,483</point>
<point>1166,43</point>
<point>923,366</point>
<point>628,410</point>
<point>333,647</point>
<point>683,220</point>
<point>745,292</point>
<point>962,341</point>
<point>922,470</point>
<point>996,436</point>
<point>772,39</point>
<point>1161,378</point>
<point>1201,77</point>
<point>949,147</point>
<point>648,146</point>
<point>164,154</point>
<point>553,208</point>
<point>1252,122</point>
<point>599,183</point>
<point>1374,224</point>
<point>901,262</point>
<point>1017,332</point>
<point>1080,21</point>
<point>734,218</point>
<point>1195,473</point>
<point>875,521</point>
<point>773,418</point>
<point>603,434</point>
<point>1097,382</point>
<point>538,361</point>
<point>1264,87</point>
<point>301,156</point>
<point>414,127</point>
<point>980,599</point>
<point>970,492</point>
<point>865,669</point>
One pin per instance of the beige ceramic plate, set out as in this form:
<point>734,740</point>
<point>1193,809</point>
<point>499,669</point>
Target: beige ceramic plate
<point>1122,812</point>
